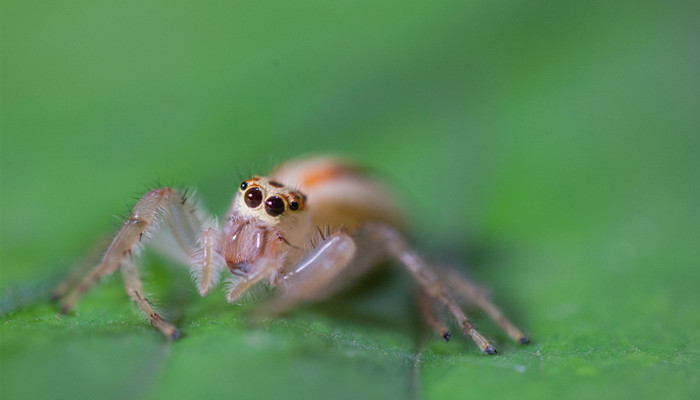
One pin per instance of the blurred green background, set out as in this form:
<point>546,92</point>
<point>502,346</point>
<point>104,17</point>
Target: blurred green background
<point>550,147</point>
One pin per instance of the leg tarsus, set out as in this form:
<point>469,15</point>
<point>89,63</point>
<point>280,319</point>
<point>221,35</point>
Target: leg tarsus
<point>134,288</point>
<point>446,335</point>
<point>431,317</point>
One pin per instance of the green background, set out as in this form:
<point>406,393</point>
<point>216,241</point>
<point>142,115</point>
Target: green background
<point>550,147</point>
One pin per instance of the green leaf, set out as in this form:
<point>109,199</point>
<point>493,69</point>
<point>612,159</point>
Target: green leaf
<point>549,148</point>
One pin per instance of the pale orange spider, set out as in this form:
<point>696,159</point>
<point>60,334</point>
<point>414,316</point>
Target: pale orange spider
<point>308,229</point>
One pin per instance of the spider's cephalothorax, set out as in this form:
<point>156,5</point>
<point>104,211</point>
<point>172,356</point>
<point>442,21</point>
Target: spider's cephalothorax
<point>265,215</point>
<point>310,228</point>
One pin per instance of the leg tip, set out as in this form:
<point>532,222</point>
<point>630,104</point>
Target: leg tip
<point>446,335</point>
<point>524,340</point>
<point>175,335</point>
<point>490,350</point>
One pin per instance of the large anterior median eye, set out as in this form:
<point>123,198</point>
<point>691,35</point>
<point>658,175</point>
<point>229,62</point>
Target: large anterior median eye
<point>274,206</point>
<point>253,197</point>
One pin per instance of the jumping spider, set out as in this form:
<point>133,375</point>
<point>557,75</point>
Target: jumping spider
<point>274,232</point>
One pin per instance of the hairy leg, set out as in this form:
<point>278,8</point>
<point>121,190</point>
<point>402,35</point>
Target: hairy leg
<point>134,288</point>
<point>206,261</point>
<point>155,208</point>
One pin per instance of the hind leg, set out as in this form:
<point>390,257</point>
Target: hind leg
<point>425,277</point>
<point>459,284</point>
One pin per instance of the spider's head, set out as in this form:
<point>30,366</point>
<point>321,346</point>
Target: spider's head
<point>268,201</point>
<point>264,214</point>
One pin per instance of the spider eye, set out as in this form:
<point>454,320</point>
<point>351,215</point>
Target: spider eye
<point>253,197</point>
<point>293,205</point>
<point>244,185</point>
<point>274,206</point>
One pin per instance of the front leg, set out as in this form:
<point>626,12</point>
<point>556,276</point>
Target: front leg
<point>160,207</point>
<point>315,276</point>
<point>146,214</point>
<point>134,288</point>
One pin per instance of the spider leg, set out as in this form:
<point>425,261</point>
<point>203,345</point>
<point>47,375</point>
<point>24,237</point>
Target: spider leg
<point>315,276</point>
<point>134,287</point>
<point>155,208</point>
<point>431,316</point>
<point>425,277</point>
<point>206,262</point>
<point>473,293</point>
<point>143,215</point>
<point>76,273</point>
<point>265,269</point>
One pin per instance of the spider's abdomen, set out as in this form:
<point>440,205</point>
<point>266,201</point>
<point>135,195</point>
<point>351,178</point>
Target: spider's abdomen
<point>340,194</point>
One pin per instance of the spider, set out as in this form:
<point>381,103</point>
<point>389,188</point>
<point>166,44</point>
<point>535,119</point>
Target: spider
<point>308,229</point>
